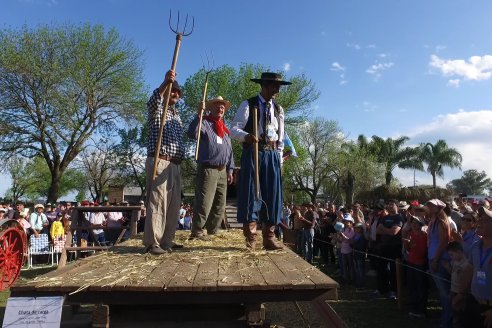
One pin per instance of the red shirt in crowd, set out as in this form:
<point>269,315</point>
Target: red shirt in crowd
<point>417,254</point>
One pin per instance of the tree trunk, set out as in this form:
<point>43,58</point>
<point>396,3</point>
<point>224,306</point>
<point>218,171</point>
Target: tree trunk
<point>349,191</point>
<point>388,177</point>
<point>434,180</point>
<point>55,186</point>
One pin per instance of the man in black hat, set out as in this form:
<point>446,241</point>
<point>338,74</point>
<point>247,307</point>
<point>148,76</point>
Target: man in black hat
<point>270,144</point>
<point>164,193</point>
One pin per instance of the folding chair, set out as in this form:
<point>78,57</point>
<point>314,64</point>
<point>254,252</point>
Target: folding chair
<point>58,246</point>
<point>40,246</point>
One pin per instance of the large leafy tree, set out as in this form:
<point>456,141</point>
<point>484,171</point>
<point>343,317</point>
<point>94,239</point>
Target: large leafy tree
<point>60,84</point>
<point>319,139</point>
<point>437,156</point>
<point>391,154</point>
<point>31,179</point>
<point>472,182</point>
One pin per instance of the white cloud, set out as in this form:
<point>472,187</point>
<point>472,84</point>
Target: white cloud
<point>455,83</point>
<point>343,82</point>
<point>335,66</point>
<point>286,67</point>
<point>382,55</point>
<point>466,131</point>
<point>353,46</point>
<point>377,69</point>
<point>477,68</point>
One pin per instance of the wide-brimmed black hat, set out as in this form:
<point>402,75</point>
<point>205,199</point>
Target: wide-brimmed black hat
<point>271,77</point>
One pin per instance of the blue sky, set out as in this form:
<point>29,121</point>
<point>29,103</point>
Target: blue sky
<point>417,68</point>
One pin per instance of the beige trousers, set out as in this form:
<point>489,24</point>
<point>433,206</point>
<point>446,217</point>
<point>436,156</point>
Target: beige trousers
<point>163,203</point>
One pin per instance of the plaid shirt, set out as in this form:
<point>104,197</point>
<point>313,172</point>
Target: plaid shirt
<point>172,137</point>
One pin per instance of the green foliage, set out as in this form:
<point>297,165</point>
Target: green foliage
<point>472,182</point>
<point>60,84</point>
<point>33,176</point>
<point>438,156</point>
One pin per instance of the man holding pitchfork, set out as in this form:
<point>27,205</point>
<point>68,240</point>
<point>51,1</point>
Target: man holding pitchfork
<point>215,165</point>
<point>163,192</point>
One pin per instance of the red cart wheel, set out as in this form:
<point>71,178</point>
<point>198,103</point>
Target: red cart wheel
<point>11,256</point>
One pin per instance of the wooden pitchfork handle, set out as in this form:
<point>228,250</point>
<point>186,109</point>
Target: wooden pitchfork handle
<point>204,97</point>
<point>255,153</point>
<point>166,104</point>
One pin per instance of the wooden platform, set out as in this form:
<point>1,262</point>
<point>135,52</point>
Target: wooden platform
<point>221,271</point>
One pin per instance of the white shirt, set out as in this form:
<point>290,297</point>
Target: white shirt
<point>97,218</point>
<point>241,118</point>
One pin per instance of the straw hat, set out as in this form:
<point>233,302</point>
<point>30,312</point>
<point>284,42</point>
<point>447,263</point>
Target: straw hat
<point>38,205</point>
<point>220,100</point>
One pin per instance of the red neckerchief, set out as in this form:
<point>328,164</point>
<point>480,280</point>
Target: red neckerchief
<point>219,126</point>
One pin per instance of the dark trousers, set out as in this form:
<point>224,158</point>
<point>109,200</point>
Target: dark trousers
<point>387,268</point>
<point>418,287</point>
<point>473,313</point>
<point>360,270</point>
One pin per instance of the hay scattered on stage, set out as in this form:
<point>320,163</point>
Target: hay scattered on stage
<point>126,264</point>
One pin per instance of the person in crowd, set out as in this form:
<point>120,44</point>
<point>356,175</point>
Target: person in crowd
<point>20,208</point>
<point>38,219</point>
<point>468,234</point>
<point>298,228</point>
<point>188,221</point>
<point>478,311</point>
<point>163,193</point>
<point>98,221</point>
<point>56,231</point>
<point>141,218</point>
<point>438,237</point>
<point>416,246</point>
<point>389,231</point>
<point>24,222</point>
<point>461,272</point>
<point>50,213</point>
<point>215,165</point>
<point>114,221</point>
<point>455,214</point>
<point>308,221</point>
<point>270,141</point>
<point>3,213</point>
<point>345,237</point>
<point>327,229</point>
<point>359,246</point>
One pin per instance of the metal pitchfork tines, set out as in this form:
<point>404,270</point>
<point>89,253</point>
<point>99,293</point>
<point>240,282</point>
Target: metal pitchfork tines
<point>179,36</point>
<point>210,67</point>
<point>183,32</point>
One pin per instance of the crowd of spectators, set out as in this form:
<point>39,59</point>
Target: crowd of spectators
<point>444,242</point>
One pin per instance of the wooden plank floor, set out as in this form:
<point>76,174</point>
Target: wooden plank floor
<point>222,269</point>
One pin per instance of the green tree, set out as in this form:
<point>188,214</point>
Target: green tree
<point>130,157</point>
<point>21,173</point>
<point>318,138</point>
<point>472,182</point>
<point>438,156</point>
<point>391,154</point>
<point>58,85</point>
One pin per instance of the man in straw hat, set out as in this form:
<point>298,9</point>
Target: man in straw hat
<point>215,166</point>
<point>38,219</point>
<point>270,144</point>
<point>163,193</point>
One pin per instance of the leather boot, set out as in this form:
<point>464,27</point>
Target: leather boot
<point>249,231</point>
<point>270,242</point>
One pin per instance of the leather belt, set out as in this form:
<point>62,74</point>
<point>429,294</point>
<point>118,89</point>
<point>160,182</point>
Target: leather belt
<point>168,158</point>
<point>216,167</point>
<point>485,302</point>
<point>267,145</point>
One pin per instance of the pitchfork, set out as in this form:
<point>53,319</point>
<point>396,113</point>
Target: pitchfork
<point>179,37</point>
<point>204,97</point>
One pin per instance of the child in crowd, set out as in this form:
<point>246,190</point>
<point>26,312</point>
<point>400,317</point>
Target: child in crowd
<point>187,221</point>
<point>56,230</point>
<point>416,247</point>
<point>461,275</point>
<point>345,237</point>
<point>359,246</point>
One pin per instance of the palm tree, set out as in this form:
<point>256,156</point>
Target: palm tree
<point>437,156</point>
<point>390,154</point>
